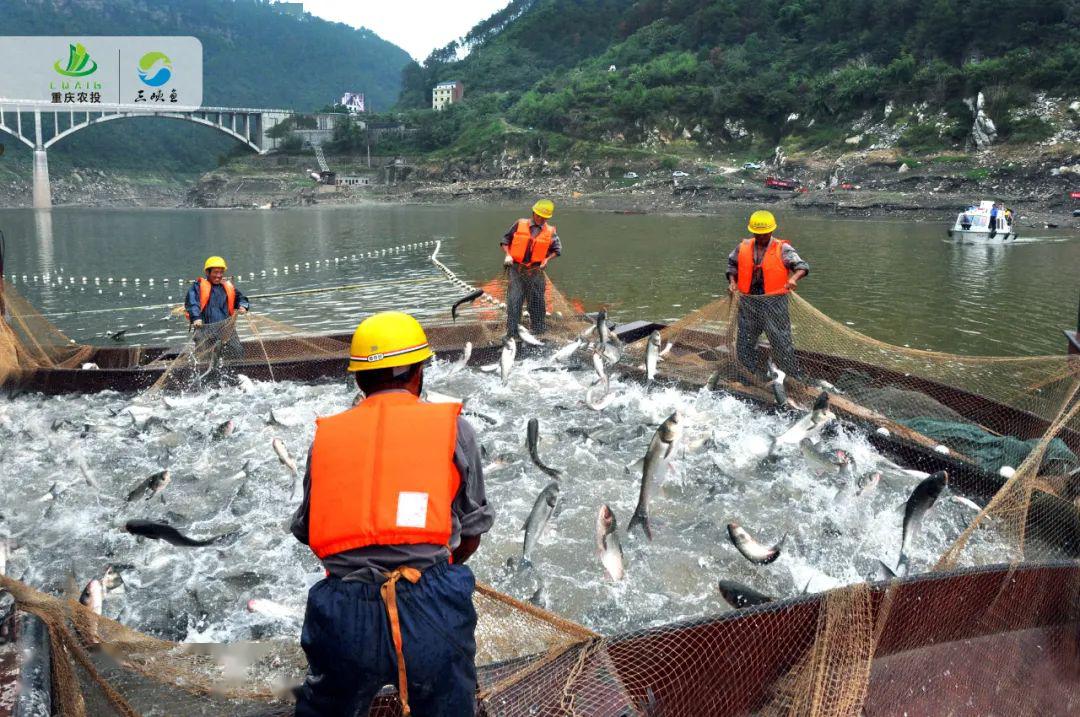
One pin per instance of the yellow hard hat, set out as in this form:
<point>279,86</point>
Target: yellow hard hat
<point>214,262</point>
<point>762,222</point>
<point>544,208</point>
<point>386,340</point>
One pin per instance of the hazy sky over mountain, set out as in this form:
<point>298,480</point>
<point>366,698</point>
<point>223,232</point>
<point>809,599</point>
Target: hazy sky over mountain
<point>418,26</point>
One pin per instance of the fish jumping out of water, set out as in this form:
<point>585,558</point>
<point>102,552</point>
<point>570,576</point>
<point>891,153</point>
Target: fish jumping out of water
<point>652,356</point>
<point>739,596</point>
<point>567,351</point>
<point>661,449</point>
<point>538,519</point>
<point>751,549</point>
<point>466,354</point>
<point>161,531</point>
<point>225,430</point>
<point>920,501</point>
<point>776,383</point>
<point>93,596</point>
<point>273,609</point>
<point>506,358</point>
<point>526,337</point>
<point>532,437</point>
<point>466,300</point>
<point>607,544</point>
<point>808,425</point>
<point>151,487</point>
<point>283,454</point>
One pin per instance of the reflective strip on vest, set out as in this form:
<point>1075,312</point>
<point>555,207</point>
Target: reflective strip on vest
<point>541,243</point>
<point>205,287</point>
<point>772,267</point>
<point>383,473</point>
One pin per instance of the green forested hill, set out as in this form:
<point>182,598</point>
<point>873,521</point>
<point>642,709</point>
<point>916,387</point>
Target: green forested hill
<point>765,69</point>
<point>253,56</point>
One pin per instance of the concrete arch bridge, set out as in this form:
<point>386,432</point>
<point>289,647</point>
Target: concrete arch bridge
<point>23,120</point>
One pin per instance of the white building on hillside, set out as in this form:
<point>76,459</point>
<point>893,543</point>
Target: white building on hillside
<point>354,101</point>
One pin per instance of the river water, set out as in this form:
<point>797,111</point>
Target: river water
<point>898,281</point>
<point>895,281</point>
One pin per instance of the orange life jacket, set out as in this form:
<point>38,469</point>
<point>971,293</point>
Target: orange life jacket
<point>520,248</point>
<point>772,266</point>
<point>383,473</point>
<point>205,287</point>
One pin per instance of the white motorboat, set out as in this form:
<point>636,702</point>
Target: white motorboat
<point>974,225</point>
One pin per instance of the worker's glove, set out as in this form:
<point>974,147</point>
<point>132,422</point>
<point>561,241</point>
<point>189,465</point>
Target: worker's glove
<point>196,324</point>
<point>508,260</point>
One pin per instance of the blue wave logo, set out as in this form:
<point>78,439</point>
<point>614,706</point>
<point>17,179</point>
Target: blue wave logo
<point>155,68</point>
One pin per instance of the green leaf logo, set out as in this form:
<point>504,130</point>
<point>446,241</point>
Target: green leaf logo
<point>79,63</point>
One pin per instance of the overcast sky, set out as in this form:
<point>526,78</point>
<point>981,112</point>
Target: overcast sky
<point>418,26</point>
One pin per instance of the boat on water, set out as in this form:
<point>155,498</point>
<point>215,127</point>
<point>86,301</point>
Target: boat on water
<point>981,224</point>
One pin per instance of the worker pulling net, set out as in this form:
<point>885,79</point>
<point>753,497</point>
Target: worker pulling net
<point>990,410</point>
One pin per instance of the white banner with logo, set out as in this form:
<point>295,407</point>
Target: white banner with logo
<point>163,73</point>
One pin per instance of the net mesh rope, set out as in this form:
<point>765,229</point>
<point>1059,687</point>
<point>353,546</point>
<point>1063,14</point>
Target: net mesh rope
<point>969,636</point>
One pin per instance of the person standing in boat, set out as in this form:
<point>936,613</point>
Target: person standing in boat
<point>529,245</point>
<point>762,270</point>
<point>211,303</point>
<point>394,505</point>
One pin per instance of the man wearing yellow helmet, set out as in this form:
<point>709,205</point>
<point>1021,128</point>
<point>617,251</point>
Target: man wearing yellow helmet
<point>211,302</point>
<point>763,269</point>
<point>529,246</point>
<point>394,503</point>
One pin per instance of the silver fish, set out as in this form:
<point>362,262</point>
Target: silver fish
<point>436,397</point>
<point>607,544</point>
<point>538,520</point>
<point>283,455</point>
<point>598,365</point>
<point>151,487</point>
<point>466,354</point>
<point>869,484</point>
<point>604,400</point>
<point>751,549</point>
<point>661,448</point>
<point>93,596</point>
<point>776,383</point>
<point>567,351</point>
<point>246,384</point>
<point>532,437</point>
<point>652,355</point>
<point>227,428</point>
<point>739,596</point>
<point>526,337</point>
<point>810,424</point>
<point>918,503</point>
<point>837,461</point>
<point>273,609</point>
<point>506,358</point>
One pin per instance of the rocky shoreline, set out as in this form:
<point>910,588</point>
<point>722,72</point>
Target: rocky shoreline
<point>877,183</point>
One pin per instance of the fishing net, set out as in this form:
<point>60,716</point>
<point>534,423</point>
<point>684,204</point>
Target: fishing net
<point>29,341</point>
<point>977,632</point>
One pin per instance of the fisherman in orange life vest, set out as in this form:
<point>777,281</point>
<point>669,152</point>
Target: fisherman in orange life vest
<point>529,246</point>
<point>764,269</point>
<point>211,301</point>
<point>394,504</point>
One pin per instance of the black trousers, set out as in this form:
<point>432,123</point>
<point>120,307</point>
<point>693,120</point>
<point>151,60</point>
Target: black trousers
<point>526,284</point>
<point>768,315</point>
